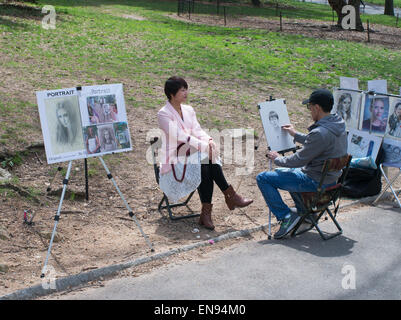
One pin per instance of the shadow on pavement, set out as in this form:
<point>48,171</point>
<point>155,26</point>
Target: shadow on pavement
<point>312,243</point>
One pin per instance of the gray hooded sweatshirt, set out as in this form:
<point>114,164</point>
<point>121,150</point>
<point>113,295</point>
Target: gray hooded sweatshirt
<point>327,139</point>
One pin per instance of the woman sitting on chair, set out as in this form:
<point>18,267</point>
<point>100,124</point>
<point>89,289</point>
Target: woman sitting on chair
<point>180,125</point>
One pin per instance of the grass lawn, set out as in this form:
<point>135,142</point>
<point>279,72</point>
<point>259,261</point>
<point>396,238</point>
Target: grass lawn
<point>93,42</point>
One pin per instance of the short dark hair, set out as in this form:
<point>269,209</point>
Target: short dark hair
<point>273,114</point>
<point>173,84</point>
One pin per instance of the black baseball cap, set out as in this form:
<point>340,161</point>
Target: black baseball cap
<point>322,97</point>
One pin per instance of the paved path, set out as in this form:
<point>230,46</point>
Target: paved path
<point>367,257</point>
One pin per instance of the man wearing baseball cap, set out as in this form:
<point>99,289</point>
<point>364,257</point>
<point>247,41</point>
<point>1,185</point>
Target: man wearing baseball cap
<point>301,171</point>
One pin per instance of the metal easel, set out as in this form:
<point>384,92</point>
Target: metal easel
<point>57,217</point>
<point>269,235</point>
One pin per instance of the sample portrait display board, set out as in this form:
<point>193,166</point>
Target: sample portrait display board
<point>392,153</point>
<point>347,106</point>
<point>274,115</point>
<point>374,114</point>
<point>361,144</point>
<point>76,124</point>
<point>394,120</point>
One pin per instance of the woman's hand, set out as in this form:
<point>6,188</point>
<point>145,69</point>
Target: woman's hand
<point>213,151</point>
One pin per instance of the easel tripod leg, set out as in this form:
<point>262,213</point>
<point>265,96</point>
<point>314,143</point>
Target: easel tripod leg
<point>130,212</point>
<point>57,217</point>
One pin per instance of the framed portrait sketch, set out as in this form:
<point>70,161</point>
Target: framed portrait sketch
<point>347,105</point>
<point>394,120</point>
<point>392,153</point>
<point>82,123</point>
<point>361,144</point>
<point>61,123</point>
<point>274,115</point>
<point>374,114</point>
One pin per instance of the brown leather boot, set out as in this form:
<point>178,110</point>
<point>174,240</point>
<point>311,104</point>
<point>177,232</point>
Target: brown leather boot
<point>205,218</point>
<point>234,200</point>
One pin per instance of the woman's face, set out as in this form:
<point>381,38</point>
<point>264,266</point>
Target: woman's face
<point>106,135</point>
<point>274,122</point>
<point>181,95</point>
<point>347,104</point>
<point>378,109</point>
<point>63,117</point>
<point>106,108</point>
<point>398,111</point>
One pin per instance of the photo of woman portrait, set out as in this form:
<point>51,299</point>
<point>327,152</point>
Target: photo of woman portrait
<point>375,114</point>
<point>347,105</point>
<point>122,135</point>
<point>394,121</point>
<point>107,139</point>
<point>102,109</point>
<point>93,116</point>
<point>92,142</point>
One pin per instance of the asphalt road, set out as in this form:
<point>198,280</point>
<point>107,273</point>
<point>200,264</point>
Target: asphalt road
<point>363,263</point>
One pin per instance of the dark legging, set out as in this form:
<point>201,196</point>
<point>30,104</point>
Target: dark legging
<point>211,173</point>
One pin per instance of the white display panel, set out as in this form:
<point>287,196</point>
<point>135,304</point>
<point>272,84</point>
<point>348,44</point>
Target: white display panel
<point>76,124</point>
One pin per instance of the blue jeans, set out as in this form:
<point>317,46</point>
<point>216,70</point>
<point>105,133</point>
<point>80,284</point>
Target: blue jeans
<point>289,179</point>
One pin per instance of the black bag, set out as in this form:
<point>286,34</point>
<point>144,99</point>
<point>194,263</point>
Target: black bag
<point>364,182</point>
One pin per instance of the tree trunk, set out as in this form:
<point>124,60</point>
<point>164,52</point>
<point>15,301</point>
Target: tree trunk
<point>256,3</point>
<point>389,7</point>
<point>337,6</point>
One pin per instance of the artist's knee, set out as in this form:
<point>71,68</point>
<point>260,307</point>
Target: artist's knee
<point>263,178</point>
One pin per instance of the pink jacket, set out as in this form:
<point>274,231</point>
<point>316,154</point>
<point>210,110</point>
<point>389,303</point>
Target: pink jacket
<point>176,130</point>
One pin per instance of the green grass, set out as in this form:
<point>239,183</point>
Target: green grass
<point>92,42</point>
<point>101,44</point>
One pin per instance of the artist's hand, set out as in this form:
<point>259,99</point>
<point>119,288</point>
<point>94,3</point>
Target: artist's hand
<point>272,155</point>
<point>289,128</point>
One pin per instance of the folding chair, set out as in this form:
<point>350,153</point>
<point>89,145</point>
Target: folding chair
<point>315,204</point>
<point>155,146</point>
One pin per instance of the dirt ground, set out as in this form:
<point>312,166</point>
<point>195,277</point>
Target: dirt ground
<point>389,37</point>
<point>99,232</point>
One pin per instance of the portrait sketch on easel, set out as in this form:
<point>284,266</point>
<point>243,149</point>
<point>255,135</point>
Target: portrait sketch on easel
<point>394,120</point>
<point>64,123</point>
<point>347,106</point>
<point>274,115</point>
